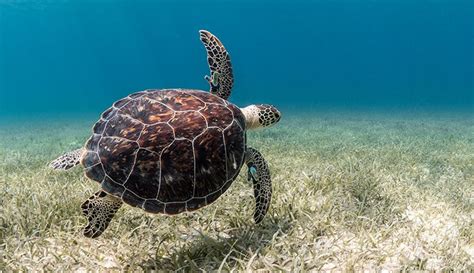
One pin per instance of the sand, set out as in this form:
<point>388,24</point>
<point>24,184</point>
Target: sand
<point>352,191</point>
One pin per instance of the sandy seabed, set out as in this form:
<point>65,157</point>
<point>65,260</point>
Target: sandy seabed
<point>352,191</point>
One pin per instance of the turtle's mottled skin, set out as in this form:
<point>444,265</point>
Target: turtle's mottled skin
<point>167,151</point>
<point>173,150</point>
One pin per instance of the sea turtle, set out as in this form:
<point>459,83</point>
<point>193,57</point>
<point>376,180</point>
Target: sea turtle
<point>173,150</point>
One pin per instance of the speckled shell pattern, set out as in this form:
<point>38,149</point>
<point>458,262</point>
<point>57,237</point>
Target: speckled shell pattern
<point>167,151</point>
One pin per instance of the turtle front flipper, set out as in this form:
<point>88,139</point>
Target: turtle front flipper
<point>259,173</point>
<point>99,209</point>
<point>67,160</point>
<point>222,78</point>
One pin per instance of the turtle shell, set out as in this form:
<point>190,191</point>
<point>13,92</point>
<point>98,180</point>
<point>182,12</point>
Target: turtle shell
<point>167,151</point>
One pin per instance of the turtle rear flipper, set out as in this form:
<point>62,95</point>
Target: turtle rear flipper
<point>259,173</point>
<point>99,209</point>
<point>67,160</point>
<point>222,78</point>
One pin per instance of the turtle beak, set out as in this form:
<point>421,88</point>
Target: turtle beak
<point>269,114</point>
<point>276,113</point>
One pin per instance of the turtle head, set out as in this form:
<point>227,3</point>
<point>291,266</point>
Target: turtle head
<point>261,115</point>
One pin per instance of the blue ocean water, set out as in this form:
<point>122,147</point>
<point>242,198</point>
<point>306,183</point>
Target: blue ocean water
<point>78,56</point>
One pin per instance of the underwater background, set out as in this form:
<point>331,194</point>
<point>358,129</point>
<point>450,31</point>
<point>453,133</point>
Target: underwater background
<point>372,163</point>
<point>65,57</point>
